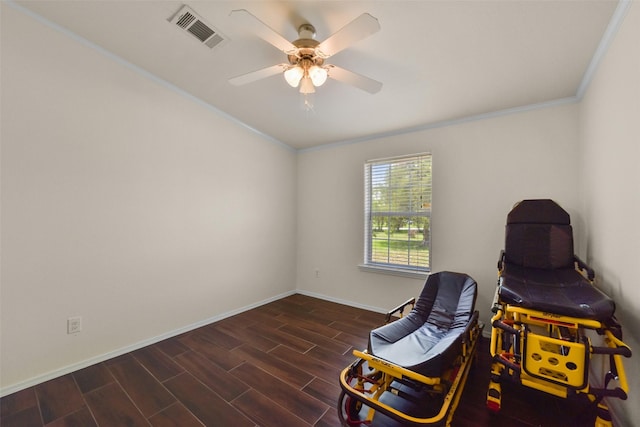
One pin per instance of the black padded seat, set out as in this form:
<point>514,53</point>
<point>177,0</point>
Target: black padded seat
<point>428,339</point>
<point>561,291</point>
<point>538,264</point>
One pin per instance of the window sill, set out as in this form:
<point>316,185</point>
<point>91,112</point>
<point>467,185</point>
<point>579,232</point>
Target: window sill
<point>413,274</point>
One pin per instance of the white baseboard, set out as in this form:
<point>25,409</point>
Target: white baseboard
<point>341,301</point>
<point>136,346</point>
<point>486,332</point>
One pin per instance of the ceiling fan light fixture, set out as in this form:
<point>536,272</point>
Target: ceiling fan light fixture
<point>318,75</point>
<point>306,85</point>
<point>293,75</point>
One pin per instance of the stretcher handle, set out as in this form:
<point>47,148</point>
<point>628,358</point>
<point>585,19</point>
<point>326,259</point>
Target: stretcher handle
<point>609,392</point>
<point>399,309</point>
<point>501,260</point>
<point>503,358</point>
<point>501,325</point>
<point>623,351</point>
<point>473,320</point>
<point>581,265</point>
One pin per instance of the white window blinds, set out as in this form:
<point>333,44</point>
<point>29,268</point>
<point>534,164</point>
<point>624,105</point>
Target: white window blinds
<point>398,212</point>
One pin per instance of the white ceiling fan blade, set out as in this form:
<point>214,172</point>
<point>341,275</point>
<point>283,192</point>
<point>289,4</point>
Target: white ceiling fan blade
<point>354,79</point>
<point>262,30</point>
<point>356,30</point>
<point>257,75</point>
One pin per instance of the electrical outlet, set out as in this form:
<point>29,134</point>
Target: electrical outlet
<point>317,273</point>
<point>74,324</point>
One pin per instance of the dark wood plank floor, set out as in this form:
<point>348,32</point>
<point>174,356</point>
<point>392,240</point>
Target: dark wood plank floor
<point>276,365</point>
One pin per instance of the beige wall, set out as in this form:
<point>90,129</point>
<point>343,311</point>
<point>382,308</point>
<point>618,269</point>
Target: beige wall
<point>480,169</point>
<point>610,189</point>
<point>126,203</point>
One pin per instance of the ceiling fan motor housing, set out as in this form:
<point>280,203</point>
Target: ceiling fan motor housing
<point>306,47</point>
<point>306,31</point>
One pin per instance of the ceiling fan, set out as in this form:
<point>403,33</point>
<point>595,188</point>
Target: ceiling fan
<point>306,67</point>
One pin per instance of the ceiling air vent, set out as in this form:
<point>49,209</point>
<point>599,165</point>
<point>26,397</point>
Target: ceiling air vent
<point>190,22</point>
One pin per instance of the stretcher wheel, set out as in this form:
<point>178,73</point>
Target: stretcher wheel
<point>349,410</point>
<point>353,407</point>
<point>494,397</point>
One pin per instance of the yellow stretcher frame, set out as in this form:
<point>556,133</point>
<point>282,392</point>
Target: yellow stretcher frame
<point>551,353</point>
<point>383,373</point>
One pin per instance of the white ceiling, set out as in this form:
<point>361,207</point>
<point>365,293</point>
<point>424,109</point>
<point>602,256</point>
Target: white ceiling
<point>438,60</point>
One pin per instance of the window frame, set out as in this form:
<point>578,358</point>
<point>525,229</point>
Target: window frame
<point>369,263</point>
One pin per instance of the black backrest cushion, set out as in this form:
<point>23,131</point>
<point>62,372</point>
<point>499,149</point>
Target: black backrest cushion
<point>538,234</point>
<point>544,246</point>
<point>538,211</point>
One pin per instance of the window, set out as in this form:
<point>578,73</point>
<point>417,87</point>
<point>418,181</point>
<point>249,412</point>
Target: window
<point>398,213</point>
